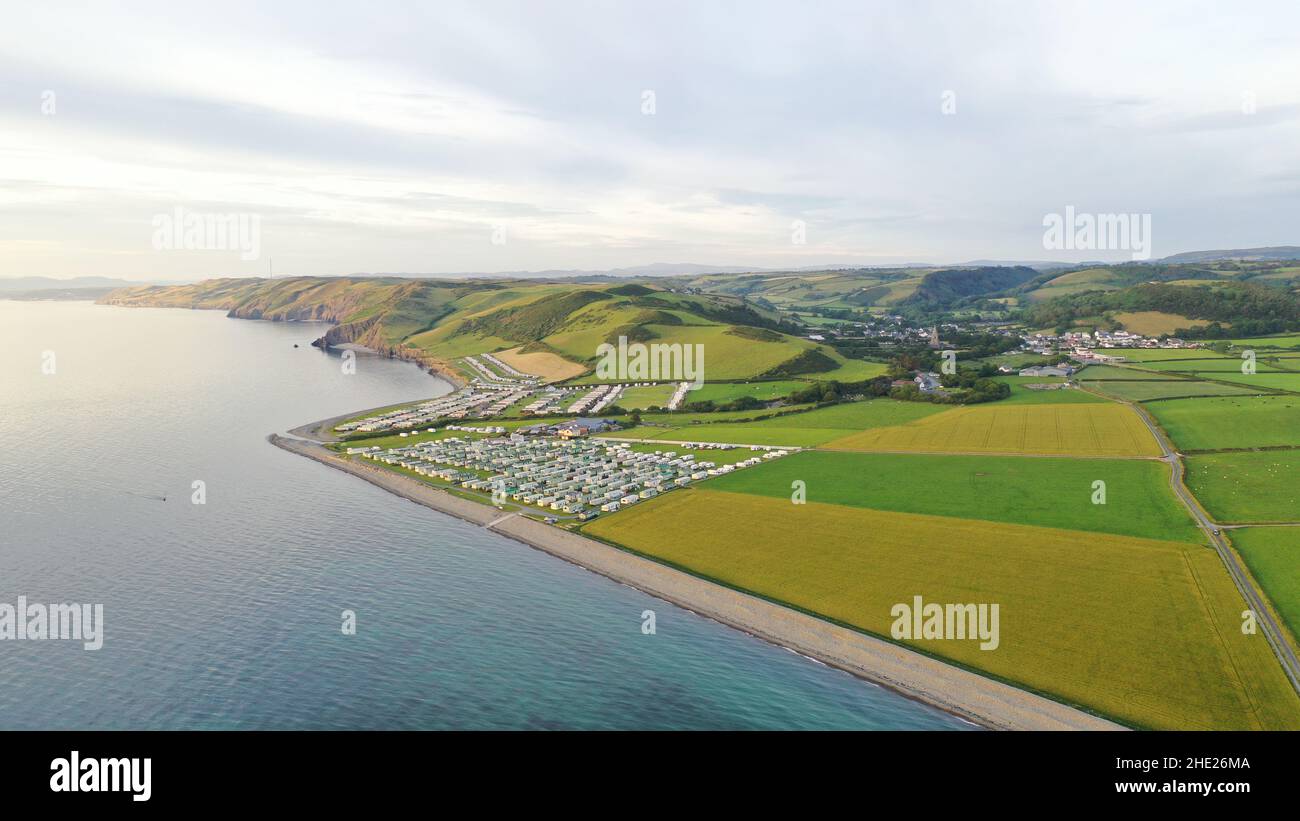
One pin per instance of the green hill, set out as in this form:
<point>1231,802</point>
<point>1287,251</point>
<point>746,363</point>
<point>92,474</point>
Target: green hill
<point>947,287</point>
<point>1209,309</point>
<point>438,322</point>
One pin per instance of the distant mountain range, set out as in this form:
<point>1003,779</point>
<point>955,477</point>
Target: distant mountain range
<point>1273,252</point>
<point>50,283</point>
<point>675,269</point>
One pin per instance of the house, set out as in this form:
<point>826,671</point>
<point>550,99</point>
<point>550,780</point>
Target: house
<point>928,382</point>
<point>538,430</point>
<point>584,427</point>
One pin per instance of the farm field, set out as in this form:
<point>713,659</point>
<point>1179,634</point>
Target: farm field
<point>1155,323</point>
<point>1290,342</point>
<point>1046,492</point>
<point>1013,360</point>
<point>681,418</point>
<point>1143,390</point>
<point>1141,630</point>
<point>1160,354</point>
<point>800,429</point>
<point>1247,486</point>
<point>851,370</point>
<point>1273,554</point>
<point>1091,279</point>
<point>1100,429</point>
<point>1230,421</point>
<point>1103,372</point>
<point>647,396</point>
<point>727,391</point>
<point>1265,381</point>
<point>1217,365</point>
<point>726,354</point>
<point>1023,395</point>
<point>548,366</point>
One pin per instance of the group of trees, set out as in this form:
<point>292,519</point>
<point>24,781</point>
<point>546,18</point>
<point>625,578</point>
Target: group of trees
<point>959,389</point>
<point>1248,308</point>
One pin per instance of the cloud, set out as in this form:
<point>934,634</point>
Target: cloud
<point>400,138</point>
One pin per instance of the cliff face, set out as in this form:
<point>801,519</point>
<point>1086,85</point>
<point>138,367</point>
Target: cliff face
<point>369,333</point>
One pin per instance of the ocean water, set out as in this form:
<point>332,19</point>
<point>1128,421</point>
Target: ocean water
<point>227,614</point>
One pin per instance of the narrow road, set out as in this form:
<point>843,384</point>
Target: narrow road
<point>1240,576</point>
<point>1260,524</point>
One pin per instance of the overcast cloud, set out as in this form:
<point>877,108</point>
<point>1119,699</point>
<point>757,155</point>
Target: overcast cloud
<point>399,137</point>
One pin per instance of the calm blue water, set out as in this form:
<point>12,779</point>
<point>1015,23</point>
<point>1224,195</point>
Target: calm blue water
<point>226,615</point>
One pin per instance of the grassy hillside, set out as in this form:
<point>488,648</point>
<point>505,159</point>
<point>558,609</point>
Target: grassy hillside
<point>555,327</point>
<point>1154,307</point>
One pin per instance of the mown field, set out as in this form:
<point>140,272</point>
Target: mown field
<point>678,418</point>
<point>1220,365</point>
<point>1102,429</point>
<point>1230,422</point>
<point>1142,390</point>
<point>1153,355</point>
<point>1049,492</point>
<point>1273,554</point>
<point>1144,631</point>
<point>1290,342</point>
<point>1247,486</point>
<point>1161,354</point>
<point>1012,360</point>
<point>548,366</point>
<point>728,391</point>
<point>647,396</point>
<point>1266,381</point>
<point>1022,394</point>
<point>798,430</point>
<point>1096,372</point>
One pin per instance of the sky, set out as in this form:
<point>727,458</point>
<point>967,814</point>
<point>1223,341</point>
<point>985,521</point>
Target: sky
<point>444,137</point>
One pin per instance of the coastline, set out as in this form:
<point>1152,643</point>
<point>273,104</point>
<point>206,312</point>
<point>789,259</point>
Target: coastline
<point>975,698</point>
<point>332,338</point>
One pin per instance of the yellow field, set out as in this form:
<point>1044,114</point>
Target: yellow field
<point>1143,631</point>
<point>548,366</point>
<point>1155,323</point>
<point>1077,430</point>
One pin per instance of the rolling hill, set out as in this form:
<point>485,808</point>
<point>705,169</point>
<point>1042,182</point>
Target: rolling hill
<point>438,322</point>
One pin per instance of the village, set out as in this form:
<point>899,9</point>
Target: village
<point>1080,344</point>
<point>574,475</point>
<point>496,389</point>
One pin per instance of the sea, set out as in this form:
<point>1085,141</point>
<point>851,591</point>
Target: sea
<point>135,475</point>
